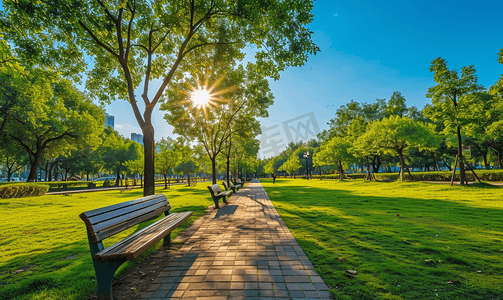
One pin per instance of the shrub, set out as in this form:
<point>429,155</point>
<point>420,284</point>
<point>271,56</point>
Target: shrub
<point>485,175</point>
<point>19,190</point>
<point>63,185</point>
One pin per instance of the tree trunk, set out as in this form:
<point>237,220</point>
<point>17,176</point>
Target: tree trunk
<point>402,165</point>
<point>499,158</point>
<point>341,171</point>
<point>37,158</point>
<point>228,170</point>
<point>462,175</point>
<point>435,168</point>
<point>165,181</point>
<point>87,175</point>
<point>148,163</point>
<point>486,165</point>
<point>213,169</point>
<point>188,179</point>
<point>369,175</point>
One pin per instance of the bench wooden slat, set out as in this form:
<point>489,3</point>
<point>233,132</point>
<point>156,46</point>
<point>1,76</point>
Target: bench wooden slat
<point>91,213</point>
<point>114,230</point>
<point>122,248</point>
<point>142,245</point>
<point>137,243</point>
<point>215,188</point>
<point>130,216</point>
<point>125,210</point>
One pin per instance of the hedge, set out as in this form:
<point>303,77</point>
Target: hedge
<point>485,175</point>
<point>20,190</point>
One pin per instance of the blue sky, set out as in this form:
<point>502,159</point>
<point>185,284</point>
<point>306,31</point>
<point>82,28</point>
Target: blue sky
<point>369,49</point>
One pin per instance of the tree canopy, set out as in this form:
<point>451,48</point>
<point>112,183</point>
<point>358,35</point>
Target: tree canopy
<point>132,43</point>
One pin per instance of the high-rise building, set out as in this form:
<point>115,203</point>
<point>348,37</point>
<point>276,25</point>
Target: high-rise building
<point>137,137</point>
<point>109,120</point>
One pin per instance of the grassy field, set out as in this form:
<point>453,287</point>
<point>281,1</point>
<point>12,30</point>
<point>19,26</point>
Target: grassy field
<point>406,240</point>
<point>43,242</point>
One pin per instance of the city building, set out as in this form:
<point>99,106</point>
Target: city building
<point>137,137</point>
<point>109,120</point>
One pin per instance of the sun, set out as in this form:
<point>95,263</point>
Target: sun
<point>200,98</point>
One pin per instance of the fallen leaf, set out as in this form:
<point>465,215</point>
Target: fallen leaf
<point>342,259</point>
<point>352,272</point>
<point>453,282</point>
<point>480,272</point>
<point>133,288</point>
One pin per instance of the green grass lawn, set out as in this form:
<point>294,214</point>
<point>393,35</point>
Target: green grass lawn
<point>45,237</point>
<point>406,240</point>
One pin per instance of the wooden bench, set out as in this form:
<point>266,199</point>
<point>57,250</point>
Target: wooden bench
<point>234,188</point>
<point>241,183</point>
<point>217,193</point>
<point>107,221</point>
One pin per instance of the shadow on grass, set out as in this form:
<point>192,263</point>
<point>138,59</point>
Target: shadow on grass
<point>406,247</point>
<point>67,269</point>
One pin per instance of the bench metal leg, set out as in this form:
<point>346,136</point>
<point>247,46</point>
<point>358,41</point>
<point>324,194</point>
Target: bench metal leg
<point>167,240</point>
<point>224,199</point>
<point>216,203</point>
<point>105,271</point>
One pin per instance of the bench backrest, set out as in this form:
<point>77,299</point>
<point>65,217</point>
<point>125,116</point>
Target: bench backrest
<point>215,189</point>
<point>107,221</point>
<point>225,185</point>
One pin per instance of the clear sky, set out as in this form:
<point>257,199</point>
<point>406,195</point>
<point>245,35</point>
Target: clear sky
<point>369,49</point>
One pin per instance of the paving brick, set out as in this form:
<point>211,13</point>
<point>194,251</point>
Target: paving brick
<point>296,294</point>
<point>307,287</point>
<point>293,286</point>
<point>242,251</point>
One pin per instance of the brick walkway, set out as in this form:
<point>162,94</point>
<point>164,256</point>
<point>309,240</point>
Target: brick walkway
<point>242,251</point>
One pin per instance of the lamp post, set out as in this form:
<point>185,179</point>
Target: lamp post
<point>306,155</point>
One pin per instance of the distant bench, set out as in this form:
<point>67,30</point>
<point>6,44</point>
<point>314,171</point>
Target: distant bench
<point>217,193</point>
<point>234,188</point>
<point>242,183</point>
<point>107,221</point>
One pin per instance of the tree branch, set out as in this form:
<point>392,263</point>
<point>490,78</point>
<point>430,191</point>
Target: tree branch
<point>107,12</point>
<point>95,38</point>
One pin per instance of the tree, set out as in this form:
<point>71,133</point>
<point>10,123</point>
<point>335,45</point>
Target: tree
<point>233,103</point>
<point>13,158</point>
<point>135,40</point>
<point>396,135</point>
<point>495,134</point>
<point>166,159</point>
<point>451,103</point>
<point>187,167</point>
<point>272,165</point>
<point>53,114</point>
<point>135,166</point>
<point>90,163</point>
<point>334,152</point>
<point>396,105</point>
<point>291,165</point>
<point>116,151</point>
